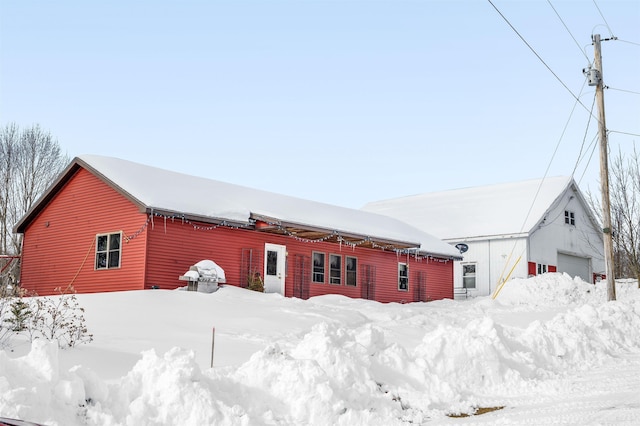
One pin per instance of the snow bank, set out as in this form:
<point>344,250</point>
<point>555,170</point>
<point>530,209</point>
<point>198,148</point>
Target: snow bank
<point>346,373</point>
<point>554,289</point>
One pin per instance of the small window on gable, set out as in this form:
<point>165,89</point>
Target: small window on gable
<point>318,267</point>
<point>569,217</point>
<point>108,250</point>
<point>403,277</point>
<point>351,274</point>
<point>335,269</point>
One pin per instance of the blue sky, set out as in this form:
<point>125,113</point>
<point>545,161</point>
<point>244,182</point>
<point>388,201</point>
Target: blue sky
<point>343,102</point>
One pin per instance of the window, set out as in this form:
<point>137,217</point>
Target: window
<point>272,263</point>
<point>542,268</point>
<point>335,268</point>
<point>569,218</point>
<point>108,249</point>
<point>469,275</point>
<point>351,274</point>
<point>318,267</point>
<point>403,277</point>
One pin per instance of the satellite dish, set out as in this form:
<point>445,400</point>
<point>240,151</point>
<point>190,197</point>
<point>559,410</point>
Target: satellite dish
<point>462,247</point>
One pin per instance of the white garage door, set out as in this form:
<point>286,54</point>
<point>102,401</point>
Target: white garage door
<point>574,266</point>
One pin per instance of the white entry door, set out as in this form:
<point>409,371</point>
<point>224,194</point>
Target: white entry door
<point>274,268</point>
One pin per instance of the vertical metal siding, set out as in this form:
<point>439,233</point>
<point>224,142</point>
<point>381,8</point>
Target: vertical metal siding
<point>59,245</point>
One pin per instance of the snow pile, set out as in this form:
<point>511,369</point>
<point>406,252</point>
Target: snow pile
<point>555,289</point>
<point>387,364</point>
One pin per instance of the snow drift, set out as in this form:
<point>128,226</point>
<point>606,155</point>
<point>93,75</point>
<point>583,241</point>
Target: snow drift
<point>350,362</point>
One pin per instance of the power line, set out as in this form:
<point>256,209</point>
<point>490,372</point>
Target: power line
<point>567,28</point>
<point>595,145</point>
<point>623,90</point>
<point>604,19</point>
<point>624,133</point>
<point>627,41</point>
<point>584,138</point>
<point>538,56</point>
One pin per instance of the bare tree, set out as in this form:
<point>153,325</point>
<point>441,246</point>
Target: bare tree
<point>30,161</point>
<point>624,192</point>
<point>9,137</point>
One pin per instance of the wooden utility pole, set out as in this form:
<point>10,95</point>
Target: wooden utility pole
<point>604,174</point>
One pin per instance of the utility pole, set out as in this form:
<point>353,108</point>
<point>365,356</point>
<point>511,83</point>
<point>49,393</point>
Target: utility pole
<point>595,79</point>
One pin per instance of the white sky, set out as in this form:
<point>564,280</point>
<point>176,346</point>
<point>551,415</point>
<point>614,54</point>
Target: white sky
<point>343,102</point>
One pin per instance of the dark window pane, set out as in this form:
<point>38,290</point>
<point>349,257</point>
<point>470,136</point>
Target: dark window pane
<point>102,243</point>
<point>318,267</point>
<point>272,262</point>
<point>335,269</point>
<point>352,267</point>
<point>114,259</point>
<point>101,260</point>
<point>114,241</point>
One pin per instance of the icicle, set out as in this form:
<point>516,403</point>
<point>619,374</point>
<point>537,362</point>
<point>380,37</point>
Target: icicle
<point>152,224</point>
<point>165,224</point>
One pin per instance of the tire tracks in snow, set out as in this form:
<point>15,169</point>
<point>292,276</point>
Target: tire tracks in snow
<point>606,395</point>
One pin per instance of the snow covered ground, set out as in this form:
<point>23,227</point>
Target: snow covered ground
<point>549,350</point>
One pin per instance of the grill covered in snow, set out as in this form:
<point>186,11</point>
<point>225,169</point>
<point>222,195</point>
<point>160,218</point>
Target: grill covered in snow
<point>204,276</point>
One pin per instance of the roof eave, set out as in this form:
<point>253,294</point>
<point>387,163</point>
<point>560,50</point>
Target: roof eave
<point>196,218</point>
<point>46,197</point>
<point>381,241</point>
<point>74,166</point>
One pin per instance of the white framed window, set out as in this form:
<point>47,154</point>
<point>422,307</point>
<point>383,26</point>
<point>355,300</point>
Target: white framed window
<point>542,268</point>
<point>469,275</point>
<point>569,218</point>
<point>335,269</point>
<point>351,271</point>
<point>108,250</point>
<point>403,277</point>
<point>318,267</point>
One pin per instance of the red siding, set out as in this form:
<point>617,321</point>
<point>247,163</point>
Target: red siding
<point>532,268</point>
<point>440,279</point>
<point>175,245</point>
<point>59,244</point>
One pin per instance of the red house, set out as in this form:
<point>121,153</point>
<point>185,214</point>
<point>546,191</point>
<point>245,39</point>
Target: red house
<point>108,224</point>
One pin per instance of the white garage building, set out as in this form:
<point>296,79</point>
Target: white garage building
<point>526,228</point>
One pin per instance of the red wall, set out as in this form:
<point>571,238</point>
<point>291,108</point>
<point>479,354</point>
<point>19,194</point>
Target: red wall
<point>59,244</point>
<point>440,279</point>
<point>175,245</point>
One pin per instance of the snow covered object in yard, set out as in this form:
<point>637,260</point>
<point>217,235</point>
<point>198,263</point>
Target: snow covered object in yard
<point>204,276</point>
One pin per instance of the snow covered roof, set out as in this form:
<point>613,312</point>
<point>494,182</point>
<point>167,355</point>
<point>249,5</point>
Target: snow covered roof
<point>483,211</point>
<point>167,192</point>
